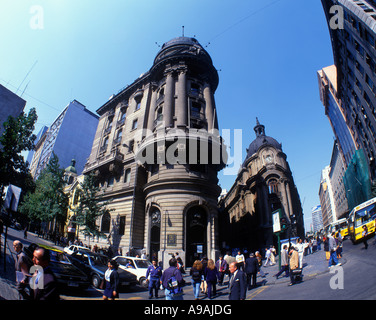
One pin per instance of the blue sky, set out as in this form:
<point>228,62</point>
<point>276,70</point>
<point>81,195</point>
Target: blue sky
<point>267,53</point>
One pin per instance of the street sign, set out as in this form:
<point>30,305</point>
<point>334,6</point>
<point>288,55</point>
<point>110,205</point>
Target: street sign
<point>276,222</point>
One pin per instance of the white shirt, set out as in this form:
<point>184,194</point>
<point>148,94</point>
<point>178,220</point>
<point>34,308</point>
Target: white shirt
<point>107,275</point>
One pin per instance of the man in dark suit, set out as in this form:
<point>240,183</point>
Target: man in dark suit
<point>237,284</point>
<point>251,269</point>
<point>44,282</point>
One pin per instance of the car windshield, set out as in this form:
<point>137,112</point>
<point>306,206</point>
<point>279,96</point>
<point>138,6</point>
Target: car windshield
<point>97,260</point>
<point>58,257</point>
<point>142,263</point>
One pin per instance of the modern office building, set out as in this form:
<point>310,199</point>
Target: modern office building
<point>10,105</point>
<point>336,174</point>
<point>264,184</point>
<point>335,112</point>
<point>352,27</point>
<point>69,137</point>
<point>157,152</point>
<point>327,198</point>
<point>317,219</point>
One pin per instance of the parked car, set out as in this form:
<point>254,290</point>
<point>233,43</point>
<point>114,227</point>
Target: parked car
<point>74,248</point>
<point>95,266</point>
<point>137,266</point>
<point>67,275</point>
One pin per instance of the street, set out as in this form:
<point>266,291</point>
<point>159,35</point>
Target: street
<point>353,280</point>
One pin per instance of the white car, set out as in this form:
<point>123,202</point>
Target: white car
<point>137,266</point>
<point>73,248</point>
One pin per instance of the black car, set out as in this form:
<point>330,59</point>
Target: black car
<point>95,266</point>
<point>67,275</point>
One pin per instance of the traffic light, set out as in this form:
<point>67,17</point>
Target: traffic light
<point>283,224</point>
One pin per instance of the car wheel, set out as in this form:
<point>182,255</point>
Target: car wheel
<point>143,282</point>
<point>95,281</point>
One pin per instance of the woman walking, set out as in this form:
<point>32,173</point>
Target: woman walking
<point>197,275</point>
<point>212,275</point>
<point>111,278</point>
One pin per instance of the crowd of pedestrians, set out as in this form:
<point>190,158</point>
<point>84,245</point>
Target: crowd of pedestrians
<point>206,274</point>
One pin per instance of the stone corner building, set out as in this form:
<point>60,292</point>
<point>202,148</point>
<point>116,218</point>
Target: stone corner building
<point>157,153</point>
<point>264,184</point>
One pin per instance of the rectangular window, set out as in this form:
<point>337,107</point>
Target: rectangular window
<point>127,177</point>
<point>131,146</point>
<point>134,124</point>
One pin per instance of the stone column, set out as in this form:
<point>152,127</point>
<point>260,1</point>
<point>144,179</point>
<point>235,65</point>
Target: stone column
<point>153,104</point>
<point>182,102</point>
<point>169,101</point>
<point>209,108</point>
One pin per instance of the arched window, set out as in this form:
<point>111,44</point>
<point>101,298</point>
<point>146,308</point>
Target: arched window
<point>106,221</point>
<point>273,186</point>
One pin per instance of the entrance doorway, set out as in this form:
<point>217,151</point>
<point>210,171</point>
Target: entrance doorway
<point>196,234</point>
<point>155,232</point>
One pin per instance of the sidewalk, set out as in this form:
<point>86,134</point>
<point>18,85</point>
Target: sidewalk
<point>313,265</point>
<point>8,289</point>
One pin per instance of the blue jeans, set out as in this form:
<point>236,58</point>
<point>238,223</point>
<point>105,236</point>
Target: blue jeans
<point>153,284</point>
<point>170,296</point>
<point>196,288</point>
<point>333,258</point>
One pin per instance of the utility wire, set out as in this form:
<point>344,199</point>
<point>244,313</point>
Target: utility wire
<point>243,19</point>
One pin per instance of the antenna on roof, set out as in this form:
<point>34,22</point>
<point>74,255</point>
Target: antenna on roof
<point>158,44</point>
<point>182,27</point>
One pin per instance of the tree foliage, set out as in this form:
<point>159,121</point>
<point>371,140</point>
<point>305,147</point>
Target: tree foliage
<point>49,201</point>
<point>17,137</point>
<point>91,206</point>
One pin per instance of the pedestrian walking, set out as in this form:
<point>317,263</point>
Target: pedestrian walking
<point>172,281</point>
<point>333,251</point>
<point>154,274</point>
<point>284,262</point>
<point>237,283</point>
<point>240,260</point>
<point>221,266</point>
<point>111,278</point>
<point>364,235</point>
<point>22,267</point>
<point>212,274</point>
<point>268,255</point>
<point>339,244</point>
<point>273,253</point>
<point>294,264</point>
<point>203,285</point>
<point>300,246</point>
<point>197,274</point>
<point>251,269</point>
<point>326,247</point>
<point>259,261</point>
<point>44,284</point>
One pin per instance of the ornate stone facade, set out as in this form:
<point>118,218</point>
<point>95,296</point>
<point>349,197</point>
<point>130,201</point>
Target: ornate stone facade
<point>157,152</point>
<point>264,184</point>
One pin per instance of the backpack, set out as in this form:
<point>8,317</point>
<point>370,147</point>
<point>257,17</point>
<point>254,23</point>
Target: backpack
<point>196,275</point>
<point>173,285</point>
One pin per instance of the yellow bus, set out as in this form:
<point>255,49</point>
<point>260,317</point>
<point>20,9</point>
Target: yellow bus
<point>340,226</point>
<point>363,214</point>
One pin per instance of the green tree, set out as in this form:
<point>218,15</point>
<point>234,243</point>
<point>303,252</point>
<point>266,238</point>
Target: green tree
<point>91,206</point>
<point>48,202</point>
<point>17,137</point>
